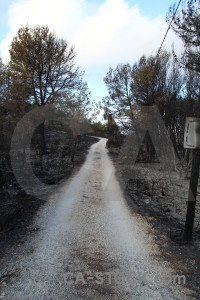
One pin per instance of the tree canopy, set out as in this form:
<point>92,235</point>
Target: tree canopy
<point>45,62</point>
<point>186,25</point>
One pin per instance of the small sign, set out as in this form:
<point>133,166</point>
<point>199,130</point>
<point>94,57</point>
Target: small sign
<point>192,133</point>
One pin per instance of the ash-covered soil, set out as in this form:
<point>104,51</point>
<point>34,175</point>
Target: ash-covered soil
<point>87,228</point>
<point>160,196</point>
<point>17,208</point>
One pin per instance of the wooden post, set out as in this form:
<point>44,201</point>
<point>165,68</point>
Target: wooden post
<point>192,195</point>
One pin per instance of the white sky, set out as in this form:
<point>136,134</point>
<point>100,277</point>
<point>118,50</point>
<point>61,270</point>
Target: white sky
<point>104,32</point>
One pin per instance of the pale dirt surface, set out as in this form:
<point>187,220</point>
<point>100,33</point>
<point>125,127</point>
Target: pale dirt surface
<point>88,227</point>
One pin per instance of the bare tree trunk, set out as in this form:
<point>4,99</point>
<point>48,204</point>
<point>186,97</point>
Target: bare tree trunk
<point>42,142</point>
<point>174,142</point>
<point>75,141</point>
<point>187,155</point>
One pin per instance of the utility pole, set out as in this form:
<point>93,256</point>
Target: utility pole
<point>192,141</point>
<point>191,204</point>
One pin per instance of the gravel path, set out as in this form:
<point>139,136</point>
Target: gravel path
<point>89,245</point>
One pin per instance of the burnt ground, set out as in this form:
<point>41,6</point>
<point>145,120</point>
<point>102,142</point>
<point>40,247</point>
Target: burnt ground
<point>17,208</point>
<point>184,258</point>
<point>165,216</point>
<point>88,227</point>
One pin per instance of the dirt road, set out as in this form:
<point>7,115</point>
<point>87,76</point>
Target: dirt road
<point>89,245</point>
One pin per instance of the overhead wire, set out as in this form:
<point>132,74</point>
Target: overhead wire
<point>168,28</point>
